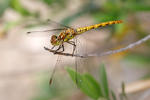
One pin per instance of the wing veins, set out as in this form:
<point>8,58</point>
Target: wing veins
<point>45,30</point>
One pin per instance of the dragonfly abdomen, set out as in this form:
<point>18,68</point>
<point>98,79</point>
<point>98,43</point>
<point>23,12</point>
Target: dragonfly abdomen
<point>84,29</point>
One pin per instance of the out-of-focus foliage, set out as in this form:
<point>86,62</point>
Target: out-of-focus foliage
<point>92,88</point>
<point>120,9</point>
<point>4,4</point>
<point>138,59</point>
<point>53,91</point>
<point>14,4</point>
<point>45,91</point>
<point>17,6</point>
<point>61,3</point>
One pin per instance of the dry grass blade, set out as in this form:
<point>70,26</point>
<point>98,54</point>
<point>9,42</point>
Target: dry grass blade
<point>137,86</point>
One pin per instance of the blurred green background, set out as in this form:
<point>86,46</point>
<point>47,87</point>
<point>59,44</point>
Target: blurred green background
<point>26,67</point>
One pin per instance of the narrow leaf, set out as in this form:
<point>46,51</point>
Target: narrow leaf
<point>93,85</point>
<point>104,83</point>
<point>86,83</point>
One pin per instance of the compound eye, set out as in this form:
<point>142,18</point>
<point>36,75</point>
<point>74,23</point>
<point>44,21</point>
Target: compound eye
<point>54,37</point>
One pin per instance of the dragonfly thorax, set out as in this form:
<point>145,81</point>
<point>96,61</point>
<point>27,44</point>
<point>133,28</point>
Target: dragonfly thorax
<point>64,36</point>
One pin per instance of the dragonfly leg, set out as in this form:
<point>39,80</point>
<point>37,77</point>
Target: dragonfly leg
<point>61,46</point>
<point>57,49</point>
<point>53,47</point>
<point>74,46</point>
<point>63,49</point>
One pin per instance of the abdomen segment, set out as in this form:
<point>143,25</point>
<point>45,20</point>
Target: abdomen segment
<point>84,29</point>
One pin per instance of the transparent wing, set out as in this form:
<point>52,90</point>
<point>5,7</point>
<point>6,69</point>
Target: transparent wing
<point>51,27</point>
<point>51,30</point>
<point>44,32</point>
<point>56,24</point>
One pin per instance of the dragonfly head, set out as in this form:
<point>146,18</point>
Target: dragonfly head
<point>54,40</point>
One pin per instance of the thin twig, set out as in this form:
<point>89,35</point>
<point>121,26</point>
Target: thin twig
<point>122,49</point>
<point>62,53</point>
<point>103,53</point>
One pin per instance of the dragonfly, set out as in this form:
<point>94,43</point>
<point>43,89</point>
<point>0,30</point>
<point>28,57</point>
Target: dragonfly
<point>67,34</point>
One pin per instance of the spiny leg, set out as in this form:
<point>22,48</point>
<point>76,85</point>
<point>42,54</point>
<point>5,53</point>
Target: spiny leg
<point>74,46</point>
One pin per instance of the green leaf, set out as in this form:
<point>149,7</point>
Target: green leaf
<point>73,76</point>
<point>86,83</point>
<point>104,83</point>
<point>93,85</point>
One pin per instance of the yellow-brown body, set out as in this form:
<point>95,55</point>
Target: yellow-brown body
<point>69,33</point>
